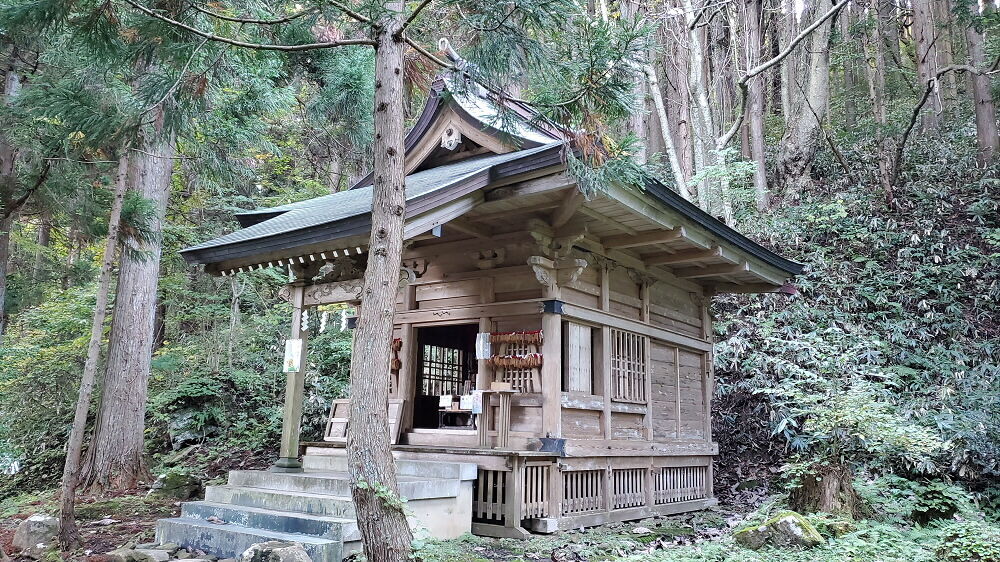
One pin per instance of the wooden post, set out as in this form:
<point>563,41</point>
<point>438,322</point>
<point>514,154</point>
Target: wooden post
<point>605,355</point>
<point>514,492</point>
<point>552,375</point>
<point>291,422</point>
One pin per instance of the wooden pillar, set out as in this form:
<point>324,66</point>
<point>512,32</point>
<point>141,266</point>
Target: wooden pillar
<point>605,356</point>
<point>552,374</point>
<point>291,422</point>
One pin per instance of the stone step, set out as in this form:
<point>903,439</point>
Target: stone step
<point>337,462</point>
<point>229,541</point>
<point>300,502</point>
<point>333,528</point>
<point>338,483</point>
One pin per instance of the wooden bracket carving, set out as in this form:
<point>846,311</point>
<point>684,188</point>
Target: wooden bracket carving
<point>489,258</point>
<point>342,268</point>
<point>306,271</point>
<point>641,278</point>
<point>573,267</point>
<point>416,266</point>
<point>544,269</point>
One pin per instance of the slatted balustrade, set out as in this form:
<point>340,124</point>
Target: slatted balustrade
<point>680,483</point>
<point>628,487</point>
<point>488,495</point>
<point>583,491</point>
<point>536,490</point>
<point>628,367</point>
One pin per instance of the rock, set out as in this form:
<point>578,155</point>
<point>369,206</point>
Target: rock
<point>171,547</point>
<point>182,554</point>
<point>787,528</point>
<point>275,551</point>
<point>35,535</point>
<point>148,545</point>
<point>641,531</point>
<point>176,485</point>
<point>226,560</point>
<point>148,555</point>
<point>119,555</point>
<point>104,522</point>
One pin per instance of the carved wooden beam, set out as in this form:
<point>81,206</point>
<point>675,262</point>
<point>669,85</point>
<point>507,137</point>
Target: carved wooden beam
<point>329,293</point>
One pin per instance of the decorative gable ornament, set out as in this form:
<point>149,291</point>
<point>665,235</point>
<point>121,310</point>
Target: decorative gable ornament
<point>451,138</point>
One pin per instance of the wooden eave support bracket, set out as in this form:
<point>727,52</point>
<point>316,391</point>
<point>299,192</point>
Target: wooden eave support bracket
<point>643,239</point>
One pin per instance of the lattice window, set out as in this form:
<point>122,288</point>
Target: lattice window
<point>523,380</point>
<point>442,371</point>
<point>628,487</point>
<point>628,367</point>
<point>583,491</point>
<point>488,493</point>
<point>680,483</point>
<point>536,490</point>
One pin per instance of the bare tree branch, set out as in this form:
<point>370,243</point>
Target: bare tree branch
<point>413,15</point>
<point>255,21</point>
<point>764,66</point>
<point>259,46</point>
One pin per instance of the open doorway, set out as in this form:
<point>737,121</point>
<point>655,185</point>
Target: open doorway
<point>446,370</point>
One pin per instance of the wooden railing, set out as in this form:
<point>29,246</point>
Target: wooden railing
<point>680,483</point>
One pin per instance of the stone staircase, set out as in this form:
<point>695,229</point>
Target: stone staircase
<point>314,508</point>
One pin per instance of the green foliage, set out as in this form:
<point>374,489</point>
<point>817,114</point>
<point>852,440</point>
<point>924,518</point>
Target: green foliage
<point>887,357</point>
<point>969,541</point>
<point>900,501</point>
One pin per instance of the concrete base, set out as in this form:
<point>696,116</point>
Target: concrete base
<point>314,508</point>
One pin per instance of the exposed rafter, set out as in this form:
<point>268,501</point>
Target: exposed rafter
<point>573,200</point>
<point>712,270</point>
<point>467,227</point>
<point>643,238</point>
<point>684,256</point>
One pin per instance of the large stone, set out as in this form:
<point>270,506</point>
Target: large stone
<point>148,555</point>
<point>176,485</point>
<point>35,535</point>
<point>276,551</point>
<point>787,528</point>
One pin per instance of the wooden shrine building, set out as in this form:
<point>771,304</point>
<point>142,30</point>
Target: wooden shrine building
<point>591,401</point>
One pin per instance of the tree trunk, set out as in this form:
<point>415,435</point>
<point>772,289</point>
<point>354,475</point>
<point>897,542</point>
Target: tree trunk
<point>6,224</point>
<point>926,49</point>
<point>944,31</point>
<point>638,120</point>
<point>384,530</point>
<point>8,180</point>
<point>677,99</point>
<point>804,134</point>
<point>876,73</point>
<point>755,109</point>
<point>791,66</point>
<point>829,489</point>
<point>41,243</point>
<point>666,133</point>
<point>69,535</point>
<point>987,136</point>
<point>116,458</point>
<point>847,18</point>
